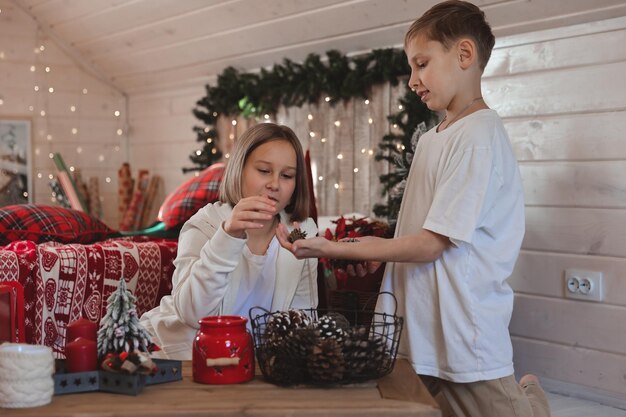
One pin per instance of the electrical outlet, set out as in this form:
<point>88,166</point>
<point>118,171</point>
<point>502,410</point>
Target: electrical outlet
<point>583,285</point>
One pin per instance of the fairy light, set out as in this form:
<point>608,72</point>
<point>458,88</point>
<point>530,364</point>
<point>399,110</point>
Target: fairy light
<point>79,150</point>
<point>312,134</point>
<point>36,88</point>
<point>340,156</point>
<point>116,148</point>
<point>234,122</point>
<point>42,48</point>
<point>50,155</point>
<point>50,176</point>
<point>116,113</point>
<point>323,140</point>
<point>336,186</point>
<point>42,113</point>
<point>367,102</point>
<point>337,123</point>
<point>119,132</point>
<point>196,174</point>
<point>355,170</point>
<point>32,68</point>
<point>72,169</point>
<point>310,116</point>
<point>101,158</point>
<point>370,120</point>
<point>31,108</point>
<point>1,101</point>
<point>51,89</point>
<point>400,107</point>
<point>370,152</point>
<point>85,91</point>
<point>47,69</point>
<point>266,116</point>
<point>74,131</point>
<point>49,137</point>
<point>39,175</point>
<point>326,99</point>
<point>320,178</point>
<point>198,152</point>
<point>108,180</point>
<point>72,109</point>
<point>209,140</point>
<point>227,155</point>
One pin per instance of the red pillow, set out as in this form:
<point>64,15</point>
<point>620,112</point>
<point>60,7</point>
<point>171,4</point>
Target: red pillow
<point>41,223</point>
<point>190,197</point>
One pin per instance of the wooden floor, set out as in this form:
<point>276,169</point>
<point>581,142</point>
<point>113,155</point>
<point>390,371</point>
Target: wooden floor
<point>562,406</point>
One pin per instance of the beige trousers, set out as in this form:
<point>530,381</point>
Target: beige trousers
<point>496,398</point>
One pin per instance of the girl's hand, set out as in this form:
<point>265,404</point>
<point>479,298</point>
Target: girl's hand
<point>303,248</point>
<point>249,213</point>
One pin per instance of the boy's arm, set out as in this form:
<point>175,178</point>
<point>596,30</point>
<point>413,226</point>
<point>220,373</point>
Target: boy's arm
<point>425,246</point>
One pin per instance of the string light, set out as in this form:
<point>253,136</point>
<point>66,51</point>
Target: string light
<point>36,88</point>
<point>234,122</point>
<point>340,156</point>
<point>47,69</point>
<point>119,132</point>
<point>72,169</point>
<point>266,116</point>
<point>356,170</point>
<point>326,99</point>
<point>323,140</point>
<point>336,186</point>
<point>320,178</point>
<point>312,134</point>
<point>116,113</point>
<point>337,123</point>
<point>85,91</point>
<point>74,131</point>
<point>198,152</point>
<point>310,116</point>
<point>108,180</point>
<point>42,113</point>
<point>32,68</point>
<point>72,109</point>
<point>367,102</point>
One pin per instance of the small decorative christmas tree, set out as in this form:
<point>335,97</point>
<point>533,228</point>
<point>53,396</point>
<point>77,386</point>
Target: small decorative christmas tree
<point>120,330</point>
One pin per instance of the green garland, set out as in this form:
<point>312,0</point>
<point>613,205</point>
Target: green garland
<point>293,84</point>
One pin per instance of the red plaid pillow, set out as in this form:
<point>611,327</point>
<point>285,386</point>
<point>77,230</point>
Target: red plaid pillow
<point>190,197</point>
<point>41,223</point>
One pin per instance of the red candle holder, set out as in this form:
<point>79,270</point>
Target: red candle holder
<point>82,328</point>
<point>81,355</point>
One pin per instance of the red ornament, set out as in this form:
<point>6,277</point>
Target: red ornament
<point>81,355</point>
<point>223,352</point>
<point>82,328</point>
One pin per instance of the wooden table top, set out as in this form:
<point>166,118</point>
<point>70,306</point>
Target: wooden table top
<point>401,393</point>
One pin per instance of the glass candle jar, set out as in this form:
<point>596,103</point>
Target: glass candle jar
<point>223,351</point>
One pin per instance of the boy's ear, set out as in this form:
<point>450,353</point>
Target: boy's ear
<point>466,49</point>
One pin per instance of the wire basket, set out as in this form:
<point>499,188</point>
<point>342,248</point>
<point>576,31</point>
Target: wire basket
<point>320,347</point>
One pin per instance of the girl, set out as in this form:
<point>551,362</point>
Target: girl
<point>229,259</point>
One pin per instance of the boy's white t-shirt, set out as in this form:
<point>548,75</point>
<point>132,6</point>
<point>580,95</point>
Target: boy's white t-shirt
<point>464,183</point>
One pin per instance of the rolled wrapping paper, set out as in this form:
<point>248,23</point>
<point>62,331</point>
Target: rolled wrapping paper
<point>25,375</point>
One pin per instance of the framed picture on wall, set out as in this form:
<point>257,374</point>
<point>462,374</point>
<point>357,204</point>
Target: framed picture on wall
<point>16,178</point>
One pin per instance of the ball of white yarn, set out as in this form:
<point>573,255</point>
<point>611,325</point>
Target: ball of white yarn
<point>25,375</point>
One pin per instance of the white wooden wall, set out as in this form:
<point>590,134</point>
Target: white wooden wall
<point>562,94</point>
<point>96,148</point>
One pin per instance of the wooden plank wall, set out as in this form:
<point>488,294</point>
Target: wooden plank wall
<point>562,95</point>
<point>96,148</point>
<point>342,140</point>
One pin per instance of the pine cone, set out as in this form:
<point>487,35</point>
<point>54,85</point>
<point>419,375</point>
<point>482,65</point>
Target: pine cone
<point>278,327</point>
<point>329,329</point>
<point>282,323</point>
<point>279,368</point>
<point>296,234</point>
<point>326,362</point>
<point>364,354</point>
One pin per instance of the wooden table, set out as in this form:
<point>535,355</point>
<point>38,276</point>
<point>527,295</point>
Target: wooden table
<point>399,394</point>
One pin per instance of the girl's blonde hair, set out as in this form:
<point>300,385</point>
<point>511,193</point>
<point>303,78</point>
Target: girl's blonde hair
<point>230,189</point>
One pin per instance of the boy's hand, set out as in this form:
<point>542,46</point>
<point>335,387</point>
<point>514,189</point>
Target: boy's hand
<point>302,248</point>
<point>363,268</point>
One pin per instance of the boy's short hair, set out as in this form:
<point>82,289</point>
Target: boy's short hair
<point>231,187</point>
<point>451,20</point>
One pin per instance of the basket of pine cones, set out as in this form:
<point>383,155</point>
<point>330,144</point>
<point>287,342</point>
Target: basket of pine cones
<point>316,347</point>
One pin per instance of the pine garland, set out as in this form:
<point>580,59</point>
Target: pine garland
<point>289,84</point>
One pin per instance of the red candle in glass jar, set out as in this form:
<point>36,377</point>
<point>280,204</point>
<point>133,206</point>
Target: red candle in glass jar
<point>82,328</point>
<point>81,355</point>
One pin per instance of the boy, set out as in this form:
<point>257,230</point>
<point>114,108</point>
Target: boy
<point>459,229</point>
